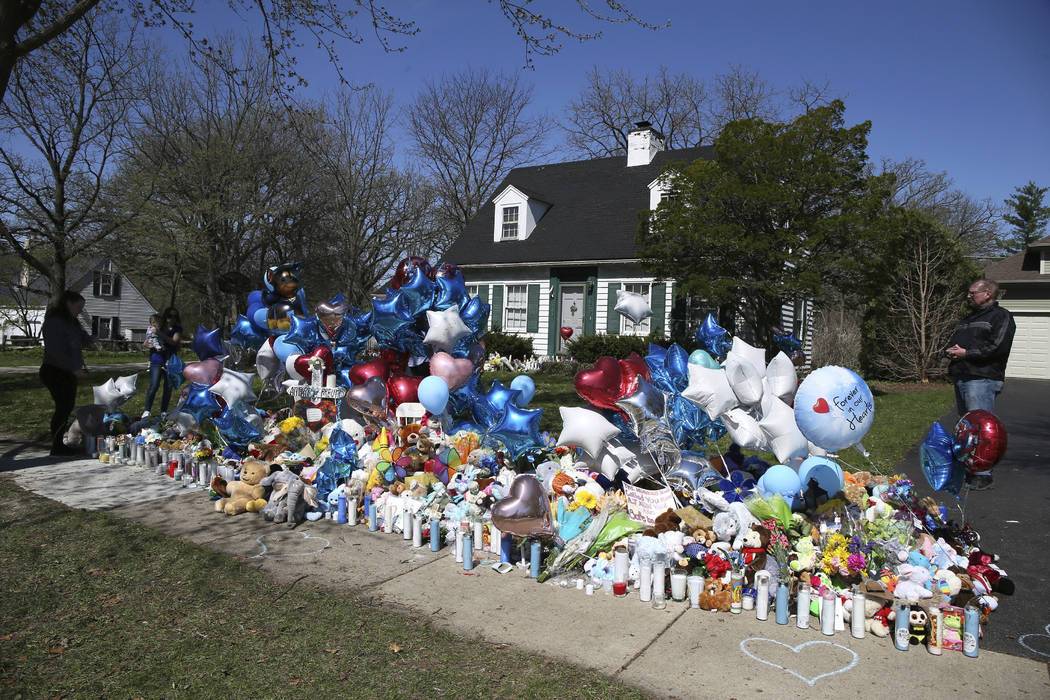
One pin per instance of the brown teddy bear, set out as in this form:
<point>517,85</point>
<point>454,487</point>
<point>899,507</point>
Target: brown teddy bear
<point>246,494</point>
<point>668,521</point>
<point>754,552</point>
<point>705,536</point>
<point>715,596</point>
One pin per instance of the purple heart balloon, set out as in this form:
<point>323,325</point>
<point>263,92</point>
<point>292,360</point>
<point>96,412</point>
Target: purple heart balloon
<point>203,372</point>
<point>456,371</point>
<point>368,399</point>
<point>525,511</point>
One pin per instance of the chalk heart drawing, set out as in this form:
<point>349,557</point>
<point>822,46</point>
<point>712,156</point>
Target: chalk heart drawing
<point>1024,640</point>
<point>748,646</point>
<point>290,544</point>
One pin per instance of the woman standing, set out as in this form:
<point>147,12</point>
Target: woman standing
<point>64,341</point>
<point>169,334</point>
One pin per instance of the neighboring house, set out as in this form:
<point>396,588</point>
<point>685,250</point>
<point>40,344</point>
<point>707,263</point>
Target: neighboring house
<point>1024,282</point>
<point>114,308</point>
<point>21,307</point>
<point>556,242</point>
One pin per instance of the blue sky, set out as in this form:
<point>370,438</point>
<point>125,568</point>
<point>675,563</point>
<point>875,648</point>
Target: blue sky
<point>963,85</point>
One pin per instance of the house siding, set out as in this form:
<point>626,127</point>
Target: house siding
<point>131,307</point>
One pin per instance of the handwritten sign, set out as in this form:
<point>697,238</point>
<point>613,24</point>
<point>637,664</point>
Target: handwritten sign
<point>644,505</point>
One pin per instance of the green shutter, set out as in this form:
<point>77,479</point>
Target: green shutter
<point>612,318</point>
<point>497,307</point>
<point>532,311</point>
<point>483,294</point>
<point>552,317</point>
<point>590,306</point>
<point>659,306</point>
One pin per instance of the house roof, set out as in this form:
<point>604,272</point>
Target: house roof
<point>593,213</point>
<point>1021,267</point>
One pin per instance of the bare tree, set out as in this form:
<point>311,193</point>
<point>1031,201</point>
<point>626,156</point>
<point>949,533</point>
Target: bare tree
<point>598,120</point>
<point>63,126</point>
<point>974,223</point>
<point>377,211</point>
<point>468,131</point>
<point>741,93</point>
<point>28,25</point>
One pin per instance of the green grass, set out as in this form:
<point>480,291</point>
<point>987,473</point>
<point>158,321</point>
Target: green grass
<point>31,357</point>
<point>97,606</point>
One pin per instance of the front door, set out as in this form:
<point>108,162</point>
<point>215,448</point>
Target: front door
<point>571,313</point>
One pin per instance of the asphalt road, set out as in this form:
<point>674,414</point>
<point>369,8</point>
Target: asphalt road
<point>1013,517</point>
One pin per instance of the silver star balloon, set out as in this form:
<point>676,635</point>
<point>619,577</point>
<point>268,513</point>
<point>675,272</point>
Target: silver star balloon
<point>234,386</point>
<point>647,410</point>
<point>633,305</point>
<point>446,328</point>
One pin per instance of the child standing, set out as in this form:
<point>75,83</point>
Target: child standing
<point>152,339</point>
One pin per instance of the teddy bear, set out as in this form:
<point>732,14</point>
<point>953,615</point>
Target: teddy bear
<point>715,596</point>
<point>675,541</point>
<point>246,494</point>
<point>665,522</point>
<point>874,623</point>
<point>911,583</point>
<point>704,536</point>
<point>753,553</point>
<point>804,556</point>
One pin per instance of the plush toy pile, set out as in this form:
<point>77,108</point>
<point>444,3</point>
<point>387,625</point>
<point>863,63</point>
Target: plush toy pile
<point>408,440</point>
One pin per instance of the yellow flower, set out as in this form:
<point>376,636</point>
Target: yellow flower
<point>321,445</point>
<point>586,499</point>
<point>290,424</point>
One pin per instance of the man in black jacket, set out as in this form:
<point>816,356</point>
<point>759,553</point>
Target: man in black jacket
<point>979,351</point>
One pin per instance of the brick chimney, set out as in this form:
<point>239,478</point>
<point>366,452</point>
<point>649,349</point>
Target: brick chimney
<point>643,143</point>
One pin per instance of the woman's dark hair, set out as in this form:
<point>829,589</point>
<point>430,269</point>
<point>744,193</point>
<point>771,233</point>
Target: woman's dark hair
<point>61,307</point>
<point>172,313</point>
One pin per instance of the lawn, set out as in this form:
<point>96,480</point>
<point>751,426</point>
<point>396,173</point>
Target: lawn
<point>31,357</point>
<point>97,606</point>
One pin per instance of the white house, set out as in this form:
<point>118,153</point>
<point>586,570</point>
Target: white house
<point>556,242</point>
<point>1024,283</point>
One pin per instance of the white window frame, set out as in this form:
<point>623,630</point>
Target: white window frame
<point>509,225</point>
<point>627,327</point>
<point>516,298</point>
<point>472,290</point>
<point>107,278</point>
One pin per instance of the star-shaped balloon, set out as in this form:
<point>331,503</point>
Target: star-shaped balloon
<point>584,428</point>
<point>788,343</point>
<point>234,427</point>
<point>350,338</point>
<point>418,291</point>
<point>304,333</point>
<point>446,329</point>
<point>466,396</point>
<point>245,334</point>
<point>451,290</point>
<point>474,314</point>
<point>200,402</point>
<point>342,448</point>
<point>488,408</point>
<point>632,305</point>
<point>713,338</point>
<point>234,386</point>
<point>207,343</point>
<point>518,429</point>
<point>645,404</point>
<point>669,368</point>
<point>389,317</point>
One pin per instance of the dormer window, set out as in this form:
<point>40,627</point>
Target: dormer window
<point>510,222</point>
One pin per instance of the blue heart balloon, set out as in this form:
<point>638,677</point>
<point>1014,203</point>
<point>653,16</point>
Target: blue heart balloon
<point>207,343</point>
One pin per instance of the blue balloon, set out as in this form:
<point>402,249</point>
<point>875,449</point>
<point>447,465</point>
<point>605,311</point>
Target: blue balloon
<point>200,402</point>
<point>669,368</point>
<point>490,406</point>
<point>702,358</point>
<point>474,314</point>
<point>258,319</point>
<point>417,292</point>
<point>518,429</point>
<point>780,480</point>
<point>246,335</point>
<point>433,394</point>
<point>712,337</point>
<point>234,427</point>
<point>174,367</point>
<point>282,350</point>
<point>350,338</point>
<point>526,387</point>
<point>463,398</point>
<point>788,343</point>
<point>938,461</point>
<point>303,333</point>
<point>834,408</point>
<point>451,289</point>
<point>343,451</point>
<point>207,343</point>
<point>826,472</point>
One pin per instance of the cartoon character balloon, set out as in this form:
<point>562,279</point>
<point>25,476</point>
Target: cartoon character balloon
<point>980,440</point>
<point>284,295</point>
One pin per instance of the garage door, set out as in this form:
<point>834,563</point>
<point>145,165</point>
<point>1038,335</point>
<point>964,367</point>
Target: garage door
<point>1030,355</point>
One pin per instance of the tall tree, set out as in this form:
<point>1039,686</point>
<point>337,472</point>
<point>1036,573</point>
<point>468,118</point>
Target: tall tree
<point>598,120</point>
<point>468,130</point>
<point>28,25</point>
<point>1028,216</point>
<point>776,215</point>
<point>63,125</point>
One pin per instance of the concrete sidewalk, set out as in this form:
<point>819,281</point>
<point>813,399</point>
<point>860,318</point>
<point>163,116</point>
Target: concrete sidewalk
<point>673,652</point>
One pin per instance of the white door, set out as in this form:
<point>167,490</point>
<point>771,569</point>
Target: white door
<point>571,312</point>
<point>1030,354</point>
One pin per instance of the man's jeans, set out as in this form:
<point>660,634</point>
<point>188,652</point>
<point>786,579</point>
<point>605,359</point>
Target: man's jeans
<point>973,394</point>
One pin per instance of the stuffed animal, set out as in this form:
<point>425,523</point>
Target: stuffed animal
<point>804,556</point>
<point>732,524</point>
<point>716,595</point>
<point>911,583</point>
<point>753,553</point>
<point>246,494</point>
<point>665,522</point>
<point>704,536</point>
<point>877,626</point>
<point>917,620</point>
<point>983,563</point>
<point>676,542</point>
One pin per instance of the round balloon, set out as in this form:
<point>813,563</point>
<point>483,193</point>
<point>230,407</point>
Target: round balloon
<point>526,386</point>
<point>702,358</point>
<point>824,471</point>
<point>781,481</point>
<point>433,394</point>
<point>834,408</point>
<point>980,440</point>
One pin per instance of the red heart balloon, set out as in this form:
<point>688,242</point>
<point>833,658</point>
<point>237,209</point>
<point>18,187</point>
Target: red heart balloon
<point>302,363</point>
<point>821,406</point>
<point>403,389</point>
<point>359,374</point>
<point>398,361</point>
<point>566,332</point>
<point>634,366</point>
<point>601,385</point>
